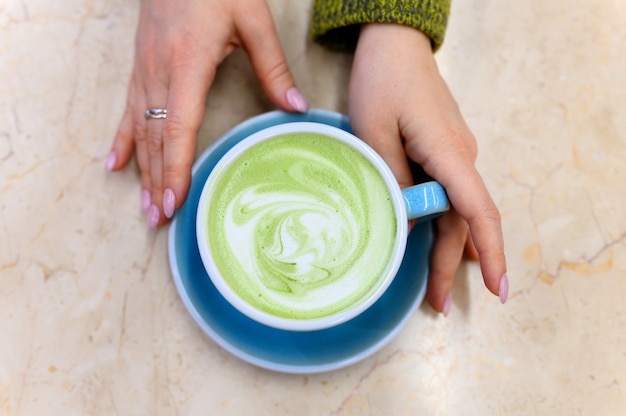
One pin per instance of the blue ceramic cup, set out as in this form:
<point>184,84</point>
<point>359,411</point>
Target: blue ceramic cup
<point>420,202</point>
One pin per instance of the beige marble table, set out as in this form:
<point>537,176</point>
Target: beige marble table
<point>91,322</point>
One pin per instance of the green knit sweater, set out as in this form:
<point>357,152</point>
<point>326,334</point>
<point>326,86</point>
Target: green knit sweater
<point>336,22</point>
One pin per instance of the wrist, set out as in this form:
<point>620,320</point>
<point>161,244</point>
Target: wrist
<point>393,35</point>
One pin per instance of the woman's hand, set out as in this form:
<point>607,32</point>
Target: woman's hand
<point>179,45</point>
<point>400,105</point>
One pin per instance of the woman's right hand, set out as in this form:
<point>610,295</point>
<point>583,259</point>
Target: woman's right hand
<point>402,107</point>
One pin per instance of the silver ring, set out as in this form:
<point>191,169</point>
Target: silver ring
<point>155,113</point>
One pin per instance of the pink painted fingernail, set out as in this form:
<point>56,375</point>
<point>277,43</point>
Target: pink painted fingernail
<point>145,200</point>
<point>153,216</point>
<point>110,162</point>
<point>504,288</point>
<point>297,100</point>
<point>169,203</point>
<point>447,305</point>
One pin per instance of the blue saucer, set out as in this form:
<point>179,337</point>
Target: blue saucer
<point>274,349</point>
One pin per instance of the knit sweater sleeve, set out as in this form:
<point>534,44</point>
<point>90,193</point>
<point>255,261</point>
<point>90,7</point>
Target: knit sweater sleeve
<point>336,23</point>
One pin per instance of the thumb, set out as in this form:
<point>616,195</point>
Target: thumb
<point>260,40</point>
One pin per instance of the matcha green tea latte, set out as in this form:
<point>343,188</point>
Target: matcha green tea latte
<point>300,226</point>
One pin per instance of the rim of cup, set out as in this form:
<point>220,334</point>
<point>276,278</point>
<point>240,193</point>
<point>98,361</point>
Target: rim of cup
<point>315,323</point>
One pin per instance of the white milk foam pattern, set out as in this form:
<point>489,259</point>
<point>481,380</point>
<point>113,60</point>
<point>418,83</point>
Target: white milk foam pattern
<point>304,226</point>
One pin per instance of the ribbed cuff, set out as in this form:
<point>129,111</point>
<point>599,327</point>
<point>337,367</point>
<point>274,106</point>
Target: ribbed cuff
<point>336,23</point>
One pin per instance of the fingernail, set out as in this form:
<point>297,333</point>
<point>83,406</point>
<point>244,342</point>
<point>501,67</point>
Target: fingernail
<point>145,200</point>
<point>153,216</point>
<point>504,288</point>
<point>110,162</point>
<point>297,100</point>
<point>447,304</point>
<point>169,202</point>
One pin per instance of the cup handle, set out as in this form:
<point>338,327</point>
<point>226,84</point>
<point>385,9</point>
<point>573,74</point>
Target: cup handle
<point>425,201</point>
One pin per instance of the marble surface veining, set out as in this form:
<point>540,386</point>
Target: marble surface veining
<point>90,320</point>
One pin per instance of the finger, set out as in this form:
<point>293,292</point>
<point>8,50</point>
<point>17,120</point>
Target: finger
<point>470,249</point>
<point>156,97</point>
<point>260,40</point>
<point>123,144</point>
<point>445,260</point>
<point>139,129</point>
<point>131,135</point>
<point>484,221</point>
<point>470,197</point>
<point>189,87</point>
